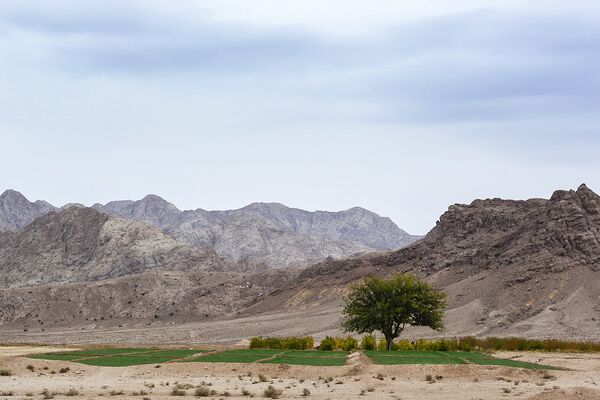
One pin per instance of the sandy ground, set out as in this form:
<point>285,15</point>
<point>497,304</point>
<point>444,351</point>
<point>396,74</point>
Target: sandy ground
<point>321,322</point>
<point>582,381</point>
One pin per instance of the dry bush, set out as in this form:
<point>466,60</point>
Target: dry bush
<point>272,393</point>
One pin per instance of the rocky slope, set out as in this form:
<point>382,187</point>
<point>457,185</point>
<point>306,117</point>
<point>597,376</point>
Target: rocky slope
<point>82,244</point>
<point>16,211</point>
<point>269,232</point>
<point>509,268</point>
<point>80,268</point>
<point>151,299</point>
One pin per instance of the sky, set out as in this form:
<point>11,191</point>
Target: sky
<point>401,107</point>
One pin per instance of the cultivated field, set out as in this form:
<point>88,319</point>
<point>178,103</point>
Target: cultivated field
<point>152,373</point>
<point>123,357</point>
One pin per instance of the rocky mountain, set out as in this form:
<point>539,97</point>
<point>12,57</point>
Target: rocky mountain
<point>16,211</point>
<point>528,268</point>
<point>78,267</point>
<point>269,232</point>
<point>82,245</point>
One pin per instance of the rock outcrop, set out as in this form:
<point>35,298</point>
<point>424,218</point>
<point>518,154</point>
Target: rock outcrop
<point>84,245</point>
<point>16,211</point>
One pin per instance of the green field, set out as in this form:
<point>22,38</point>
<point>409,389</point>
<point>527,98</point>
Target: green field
<point>290,357</point>
<point>445,357</point>
<point>122,357</point>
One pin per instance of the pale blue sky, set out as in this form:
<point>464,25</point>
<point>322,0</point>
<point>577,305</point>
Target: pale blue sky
<point>400,107</point>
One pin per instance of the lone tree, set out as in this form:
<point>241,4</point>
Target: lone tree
<point>390,304</point>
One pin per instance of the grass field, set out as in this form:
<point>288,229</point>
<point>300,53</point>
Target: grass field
<point>122,357</point>
<point>449,357</point>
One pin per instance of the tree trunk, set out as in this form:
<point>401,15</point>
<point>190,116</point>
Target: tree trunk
<point>388,343</point>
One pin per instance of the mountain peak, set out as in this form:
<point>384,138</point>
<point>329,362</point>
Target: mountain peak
<point>16,211</point>
<point>12,195</point>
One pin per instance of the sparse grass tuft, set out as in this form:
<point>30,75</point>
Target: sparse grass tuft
<point>202,392</point>
<point>272,393</point>
<point>178,392</point>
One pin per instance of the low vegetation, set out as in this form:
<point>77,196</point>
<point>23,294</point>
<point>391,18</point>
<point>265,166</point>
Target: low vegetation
<point>411,357</point>
<point>282,343</point>
<point>272,393</point>
<point>119,357</point>
<point>333,351</point>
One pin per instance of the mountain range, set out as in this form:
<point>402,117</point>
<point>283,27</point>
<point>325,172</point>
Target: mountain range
<point>270,233</point>
<point>509,267</point>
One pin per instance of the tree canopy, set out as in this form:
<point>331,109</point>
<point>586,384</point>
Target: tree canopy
<point>390,304</point>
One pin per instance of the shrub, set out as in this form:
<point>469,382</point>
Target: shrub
<point>282,343</point>
<point>368,343</point>
<point>202,392</point>
<point>262,378</point>
<point>177,392</point>
<point>305,392</point>
<point>349,344</point>
<point>404,345</point>
<point>5,372</point>
<point>327,344</point>
<point>382,345</point>
<point>272,393</point>
<point>72,392</point>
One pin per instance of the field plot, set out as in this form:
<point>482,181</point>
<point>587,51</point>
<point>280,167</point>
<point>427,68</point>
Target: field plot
<point>123,357</point>
<point>120,357</point>
<point>314,358</point>
<point>237,356</point>
<point>290,357</point>
<point>443,357</point>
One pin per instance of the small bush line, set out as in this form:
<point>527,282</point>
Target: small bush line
<point>282,343</point>
<point>466,344</point>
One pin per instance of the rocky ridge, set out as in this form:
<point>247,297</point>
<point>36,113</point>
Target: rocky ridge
<point>269,233</point>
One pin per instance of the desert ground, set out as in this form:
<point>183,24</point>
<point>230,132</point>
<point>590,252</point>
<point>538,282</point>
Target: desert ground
<point>32,378</point>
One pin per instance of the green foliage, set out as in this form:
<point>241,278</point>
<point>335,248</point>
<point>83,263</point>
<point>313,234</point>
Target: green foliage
<point>468,344</point>
<point>390,304</point>
<point>286,343</point>
<point>369,342</point>
<point>349,344</point>
<point>327,344</point>
<point>403,345</point>
<point>419,357</point>
<point>520,344</point>
<point>383,345</point>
